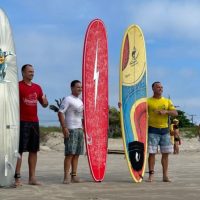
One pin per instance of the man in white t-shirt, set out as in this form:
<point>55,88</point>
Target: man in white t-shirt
<point>70,117</point>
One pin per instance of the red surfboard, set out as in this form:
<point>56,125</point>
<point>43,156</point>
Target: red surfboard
<point>95,97</point>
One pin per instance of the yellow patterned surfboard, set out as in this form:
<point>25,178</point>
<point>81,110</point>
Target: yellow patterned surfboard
<point>133,99</point>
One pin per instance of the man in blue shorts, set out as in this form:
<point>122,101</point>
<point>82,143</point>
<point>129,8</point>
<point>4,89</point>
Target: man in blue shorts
<point>159,109</point>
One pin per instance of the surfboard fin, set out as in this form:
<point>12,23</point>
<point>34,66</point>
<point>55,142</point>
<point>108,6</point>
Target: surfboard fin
<point>136,154</point>
<point>8,166</point>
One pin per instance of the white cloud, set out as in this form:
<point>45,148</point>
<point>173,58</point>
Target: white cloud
<point>192,102</point>
<point>50,35</point>
<point>48,49</point>
<point>188,73</point>
<point>171,18</point>
<point>191,106</point>
<point>57,59</point>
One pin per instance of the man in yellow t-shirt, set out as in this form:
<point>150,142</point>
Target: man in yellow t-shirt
<point>159,109</point>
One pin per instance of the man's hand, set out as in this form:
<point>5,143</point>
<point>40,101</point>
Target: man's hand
<point>65,132</point>
<point>162,112</point>
<point>54,108</point>
<point>45,101</point>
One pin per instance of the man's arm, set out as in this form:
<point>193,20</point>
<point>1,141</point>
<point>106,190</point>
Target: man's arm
<point>173,113</point>
<point>44,101</point>
<point>63,124</point>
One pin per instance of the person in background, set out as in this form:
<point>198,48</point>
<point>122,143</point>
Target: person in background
<point>175,133</point>
<point>29,94</point>
<point>198,132</point>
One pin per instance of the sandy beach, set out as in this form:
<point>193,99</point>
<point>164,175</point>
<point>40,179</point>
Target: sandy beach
<point>183,170</point>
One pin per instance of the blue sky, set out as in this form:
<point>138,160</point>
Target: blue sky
<point>50,35</point>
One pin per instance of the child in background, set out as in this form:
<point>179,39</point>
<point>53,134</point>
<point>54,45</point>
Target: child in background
<point>175,135</point>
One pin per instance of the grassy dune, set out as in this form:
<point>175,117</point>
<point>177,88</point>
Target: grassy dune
<point>190,132</point>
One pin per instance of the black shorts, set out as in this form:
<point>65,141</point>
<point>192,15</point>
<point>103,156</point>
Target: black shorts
<point>29,137</point>
<point>177,139</point>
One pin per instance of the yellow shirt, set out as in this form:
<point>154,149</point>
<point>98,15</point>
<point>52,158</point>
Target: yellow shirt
<point>172,127</point>
<point>156,120</point>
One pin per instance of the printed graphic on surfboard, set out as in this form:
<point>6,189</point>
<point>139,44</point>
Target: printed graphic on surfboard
<point>9,104</point>
<point>95,97</point>
<point>133,93</point>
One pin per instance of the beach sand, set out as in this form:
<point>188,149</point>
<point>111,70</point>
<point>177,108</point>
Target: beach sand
<point>184,170</point>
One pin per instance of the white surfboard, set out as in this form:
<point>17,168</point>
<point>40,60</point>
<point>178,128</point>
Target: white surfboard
<point>9,104</point>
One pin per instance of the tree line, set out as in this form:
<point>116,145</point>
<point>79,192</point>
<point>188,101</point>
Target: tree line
<point>114,121</point>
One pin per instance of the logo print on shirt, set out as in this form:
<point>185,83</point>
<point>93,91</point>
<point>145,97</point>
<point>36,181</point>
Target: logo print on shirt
<point>31,100</point>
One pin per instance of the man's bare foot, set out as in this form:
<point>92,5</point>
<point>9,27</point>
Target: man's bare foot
<point>34,182</point>
<point>67,179</point>
<point>75,178</point>
<point>166,179</point>
<point>151,175</point>
<point>17,182</point>
<point>150,179</point>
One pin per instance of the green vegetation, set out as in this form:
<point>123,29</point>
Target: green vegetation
<point>44,131</point>
<point>189,132</point>
<point>114,123</point>
<point>187,128</point>
<point>113,132</point>
<point>183,120</point>
<point>49,129</point>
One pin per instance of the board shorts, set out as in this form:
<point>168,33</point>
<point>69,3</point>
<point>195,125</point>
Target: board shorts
<point>29,137</point>
<point>74,144</point>
<point>159,137</point>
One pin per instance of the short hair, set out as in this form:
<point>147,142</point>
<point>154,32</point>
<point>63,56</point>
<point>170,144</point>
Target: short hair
<point>155,83</point>
<point>24,67</point>
<point>74,82</point>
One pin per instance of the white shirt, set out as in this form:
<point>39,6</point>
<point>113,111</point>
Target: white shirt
<point>72,108</point>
